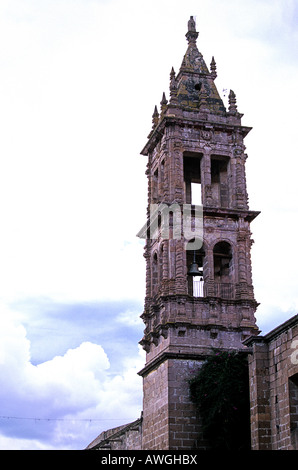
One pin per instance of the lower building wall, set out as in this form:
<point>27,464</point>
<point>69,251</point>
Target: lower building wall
<point>170,420</point>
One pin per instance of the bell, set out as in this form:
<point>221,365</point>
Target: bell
<point>194,270</point>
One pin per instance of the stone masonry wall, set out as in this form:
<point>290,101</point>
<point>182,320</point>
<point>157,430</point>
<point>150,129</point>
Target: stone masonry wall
<point>170,420</point>
<point>155,416</point>
<point>184,423</point>
<point>259,398</point>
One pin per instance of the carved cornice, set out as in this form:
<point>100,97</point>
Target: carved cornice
<point>197,122</point>
<point>232,213</point>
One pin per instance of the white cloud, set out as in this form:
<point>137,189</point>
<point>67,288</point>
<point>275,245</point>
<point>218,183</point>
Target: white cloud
<point>12,443</point>
<point>61,393</point>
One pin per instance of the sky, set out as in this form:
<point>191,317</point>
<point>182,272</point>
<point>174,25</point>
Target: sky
<point>79,80</point>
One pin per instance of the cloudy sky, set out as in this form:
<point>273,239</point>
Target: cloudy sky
<point>79,80</point>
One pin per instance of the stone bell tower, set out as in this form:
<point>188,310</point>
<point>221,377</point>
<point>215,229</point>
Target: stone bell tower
<point>199,292</point>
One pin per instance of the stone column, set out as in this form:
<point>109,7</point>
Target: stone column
<point>206,177</point>
<point>181,277</point>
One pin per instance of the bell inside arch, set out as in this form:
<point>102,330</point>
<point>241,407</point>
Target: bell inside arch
<point>194,270</point>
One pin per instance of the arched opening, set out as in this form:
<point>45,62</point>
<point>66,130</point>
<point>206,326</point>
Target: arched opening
<point>219,180</point>
<point>222,257</point>
<point>195,272</point>
<point>192,177</point>
<point>223,270</point>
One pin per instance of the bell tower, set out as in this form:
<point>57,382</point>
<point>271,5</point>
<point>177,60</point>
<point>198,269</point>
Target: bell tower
<point>199,291</point>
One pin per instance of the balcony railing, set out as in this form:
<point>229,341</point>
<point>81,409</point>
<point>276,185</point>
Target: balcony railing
<point>222,290</point>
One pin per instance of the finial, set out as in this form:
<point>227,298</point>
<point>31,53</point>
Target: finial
<point>232,103</point>
<point>191,24</point>
<point>191,34</point>
<point>155,117</point>
<point>173,86</point>
<point>163,103</point>
<point>164,100</point>
<point>213,69</point>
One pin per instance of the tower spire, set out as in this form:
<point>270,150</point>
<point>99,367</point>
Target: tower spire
<point>195,87</point>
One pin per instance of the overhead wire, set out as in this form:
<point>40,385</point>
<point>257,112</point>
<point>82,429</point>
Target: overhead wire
<point>59,419</point>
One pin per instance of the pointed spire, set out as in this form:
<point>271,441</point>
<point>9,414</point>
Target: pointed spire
<point>164,100</point>
<point>163,104</point>
<point>193,60</point>
<point>155,121</point>
<point>232,103</point>
<point>213,69</point>
<point>155,117</point>
<point>191,34</point>
<point>173,86</point>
